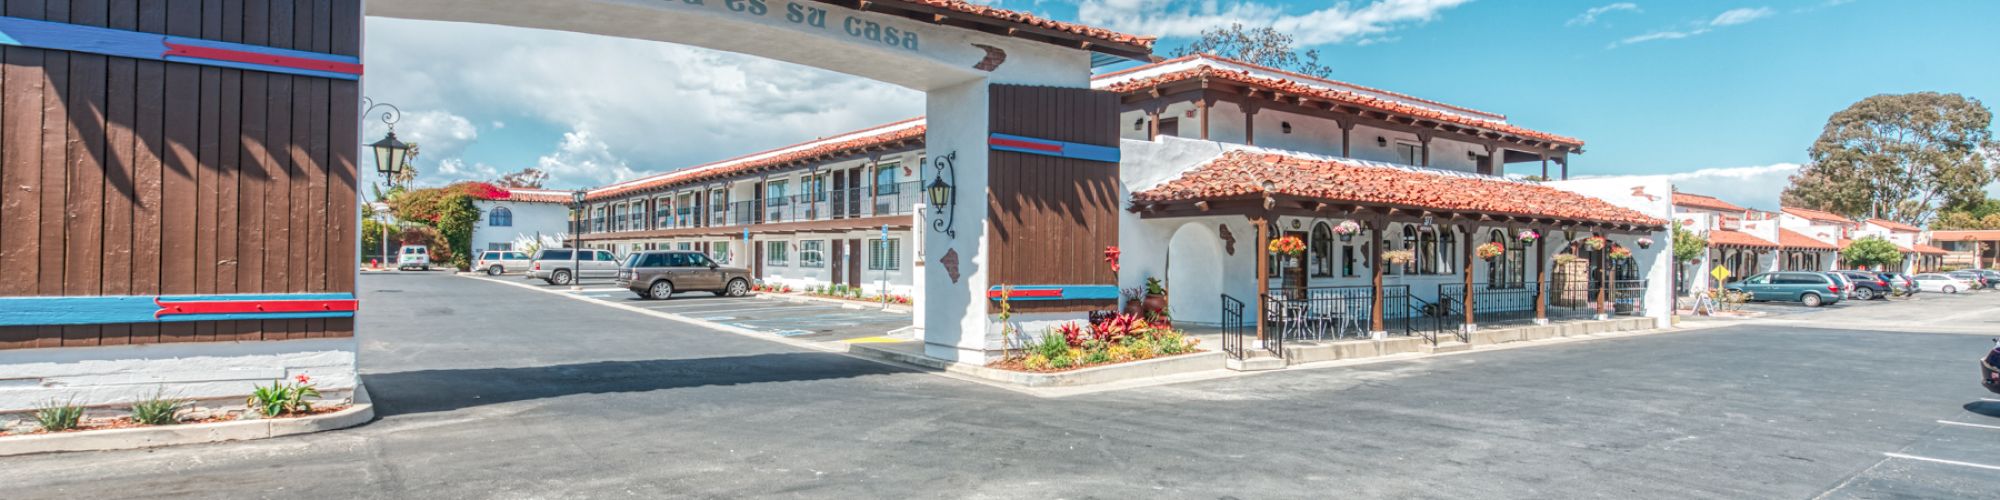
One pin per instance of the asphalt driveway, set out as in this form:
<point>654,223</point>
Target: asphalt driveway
<point>492,391</point>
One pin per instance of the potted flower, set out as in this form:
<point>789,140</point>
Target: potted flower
<point>1156,297</point>
<point>1620,252</point>
<point>1490,250</point>
<point>1529,236</point>
<point>1346,230</point>
<point>1645,243</point>
<point>1565,259</point>
<point>1288,246</point>
<point>1594,242</point>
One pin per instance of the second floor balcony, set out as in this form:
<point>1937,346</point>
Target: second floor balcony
<point>869,201</point>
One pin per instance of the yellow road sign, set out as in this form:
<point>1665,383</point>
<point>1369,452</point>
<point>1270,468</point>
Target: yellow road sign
<point>1720,273</point>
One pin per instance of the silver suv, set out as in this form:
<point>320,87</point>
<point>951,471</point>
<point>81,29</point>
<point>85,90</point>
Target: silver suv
<point>658,274</point>
<point>553,265</point>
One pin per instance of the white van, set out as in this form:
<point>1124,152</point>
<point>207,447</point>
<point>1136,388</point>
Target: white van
<point>414,256</point>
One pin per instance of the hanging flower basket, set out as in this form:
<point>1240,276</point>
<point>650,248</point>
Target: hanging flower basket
<point>1620,252</point>
<point>1346,230</point>
<point>1529,236</point>
<point>1566,259</point>
<point>1398,257</point>
<point>1645,243</point>
<point>1490,250</point>
<point>1594,242</point>
<point>1288,246</point>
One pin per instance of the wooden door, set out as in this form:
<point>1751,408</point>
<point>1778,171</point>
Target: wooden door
<point>1050,217</point>
<point>854,267</point>
<point>838,262</point>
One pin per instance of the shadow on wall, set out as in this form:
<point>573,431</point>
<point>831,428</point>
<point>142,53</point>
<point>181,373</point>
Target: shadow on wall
<point>427,391</point>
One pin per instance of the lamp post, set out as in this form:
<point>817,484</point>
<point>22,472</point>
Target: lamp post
<point>576,242</point>
<point>391,155</point>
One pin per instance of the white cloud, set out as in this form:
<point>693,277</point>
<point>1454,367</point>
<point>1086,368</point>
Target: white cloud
<point>1734,17</point>
<point>1727,18</point>
<point>636,105</point>
<point>583,158</point>
<point>1341,22</point>
<point>1589,17</point>
<point>438,134</point>
<point>1753,187</point>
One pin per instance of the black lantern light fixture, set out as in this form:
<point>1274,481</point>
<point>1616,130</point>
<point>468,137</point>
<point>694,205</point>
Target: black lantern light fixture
<point>391,155</point>
<point>943,194</point>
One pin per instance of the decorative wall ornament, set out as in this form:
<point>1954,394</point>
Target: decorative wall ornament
<point>944,194</point>
<point>950,262</point>
<point>1111,254</point>
<point>1228,240</point>
<point>994,58</point>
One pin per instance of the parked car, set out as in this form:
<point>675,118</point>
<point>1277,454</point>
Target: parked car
<point>658,274</point>
<point>553,265</point>
<point>1868,284</point>
<point>413,257</point>
<point>1901,282</point>
<point>1977,280</point>
<point>1992,276</point>
<point>1846,285</point>
<point>1809,288</point>
<point>1939,282</point>
<point>498,262</point>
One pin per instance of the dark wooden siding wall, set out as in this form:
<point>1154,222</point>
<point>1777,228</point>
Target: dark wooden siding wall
<point>134,177</point>
<point>1051,218</point>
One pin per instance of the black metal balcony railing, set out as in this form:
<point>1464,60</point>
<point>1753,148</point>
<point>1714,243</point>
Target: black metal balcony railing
<point>1490,304</point>
<point>871,201</point>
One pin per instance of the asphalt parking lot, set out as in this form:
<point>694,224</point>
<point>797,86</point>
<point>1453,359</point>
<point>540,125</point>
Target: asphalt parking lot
<point>823,321</point>
<point>487,390</point>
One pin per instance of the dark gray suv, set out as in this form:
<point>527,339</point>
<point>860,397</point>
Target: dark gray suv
<point>657,274</point>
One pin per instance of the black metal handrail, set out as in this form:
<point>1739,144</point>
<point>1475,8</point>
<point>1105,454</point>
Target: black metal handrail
<point>1423,319</point>
<point>1232,326</point>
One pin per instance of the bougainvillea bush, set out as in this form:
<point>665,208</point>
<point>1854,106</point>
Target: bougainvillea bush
<point>450,211</point>
<point>1112,339</point>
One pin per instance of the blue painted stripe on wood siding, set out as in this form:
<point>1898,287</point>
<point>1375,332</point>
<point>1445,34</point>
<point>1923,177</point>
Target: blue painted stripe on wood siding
<point>113,309</point>
<point>151,46</point>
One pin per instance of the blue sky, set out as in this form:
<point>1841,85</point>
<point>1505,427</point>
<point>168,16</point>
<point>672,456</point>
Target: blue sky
<point>1726,95</point>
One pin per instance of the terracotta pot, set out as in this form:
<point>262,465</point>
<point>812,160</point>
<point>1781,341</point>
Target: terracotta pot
<point>1156,302</point>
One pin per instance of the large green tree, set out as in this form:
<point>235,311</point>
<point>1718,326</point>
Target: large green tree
<point>1901,157</point>
<point>1263,46</point>
<point>1870,251</point>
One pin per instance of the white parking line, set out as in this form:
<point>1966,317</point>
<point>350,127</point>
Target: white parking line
<point>1990,400</point>
<point>1941,461</point>
<point>1982,426</point>
<point>784,309</point>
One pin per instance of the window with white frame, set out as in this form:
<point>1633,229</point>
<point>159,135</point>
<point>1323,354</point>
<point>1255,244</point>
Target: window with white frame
<point>884,255</point>
<point>597,220</point>
<point>777,253</point>
<point>663,212</point>
<point>718,251</point>
<point>638,215</point>
<point>885,178</point>
<point>500,217</point>
<point>774,193</point>
<point>811,253</point>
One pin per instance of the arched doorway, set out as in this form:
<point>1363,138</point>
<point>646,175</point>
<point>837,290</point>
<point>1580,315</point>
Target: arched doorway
<point>1194,275</point>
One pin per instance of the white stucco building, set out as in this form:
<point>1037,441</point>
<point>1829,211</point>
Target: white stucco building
<point>525,215</point>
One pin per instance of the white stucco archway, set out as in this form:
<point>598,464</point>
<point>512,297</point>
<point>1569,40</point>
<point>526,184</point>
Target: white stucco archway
<point>953,53</point>
<point>1195,275</point>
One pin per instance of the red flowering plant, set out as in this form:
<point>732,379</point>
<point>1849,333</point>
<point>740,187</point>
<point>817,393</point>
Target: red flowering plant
<point>1490,250</point>
<point>282,398</point>
<point>1288,245</point>
<point>1071,333</point>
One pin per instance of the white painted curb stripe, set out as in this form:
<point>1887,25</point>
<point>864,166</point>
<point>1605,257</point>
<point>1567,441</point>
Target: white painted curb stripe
<point>1942,461</point>
<point>1982,426</point>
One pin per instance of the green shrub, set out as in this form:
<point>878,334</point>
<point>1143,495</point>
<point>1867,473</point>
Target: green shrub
<point>57,416</point>
<point>157,410</point>
<point>282,398</point>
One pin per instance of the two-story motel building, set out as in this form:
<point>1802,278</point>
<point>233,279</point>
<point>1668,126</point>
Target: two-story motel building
<point>1216,157</point>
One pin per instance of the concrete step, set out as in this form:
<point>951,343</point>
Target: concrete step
<point>1450,346</point>
<point>1255,362</point>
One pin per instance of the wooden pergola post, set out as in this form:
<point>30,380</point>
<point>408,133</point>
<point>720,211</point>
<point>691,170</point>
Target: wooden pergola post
<point>1202,106</point>
<point>1375,229</point>
<point>1542,279</point>
<point>1249,122</point>
<point>1468,229</point>
<point>1604,270</point>
<point>1263,272</point>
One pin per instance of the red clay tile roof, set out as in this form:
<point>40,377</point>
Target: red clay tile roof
<point>1144,42</point>
<point>1793,240</point>
<point>1304,77</point>
<point>1238,174</point>
<point>857,142</point>
<point>1817,215</point>
<point>537,195</point>
<point>1895,226</point>
<point>1727,238</point>
<point>1927,249</point>
<point>1963,234</point>
<point>1292,87</point>
<point>1692,200</point>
